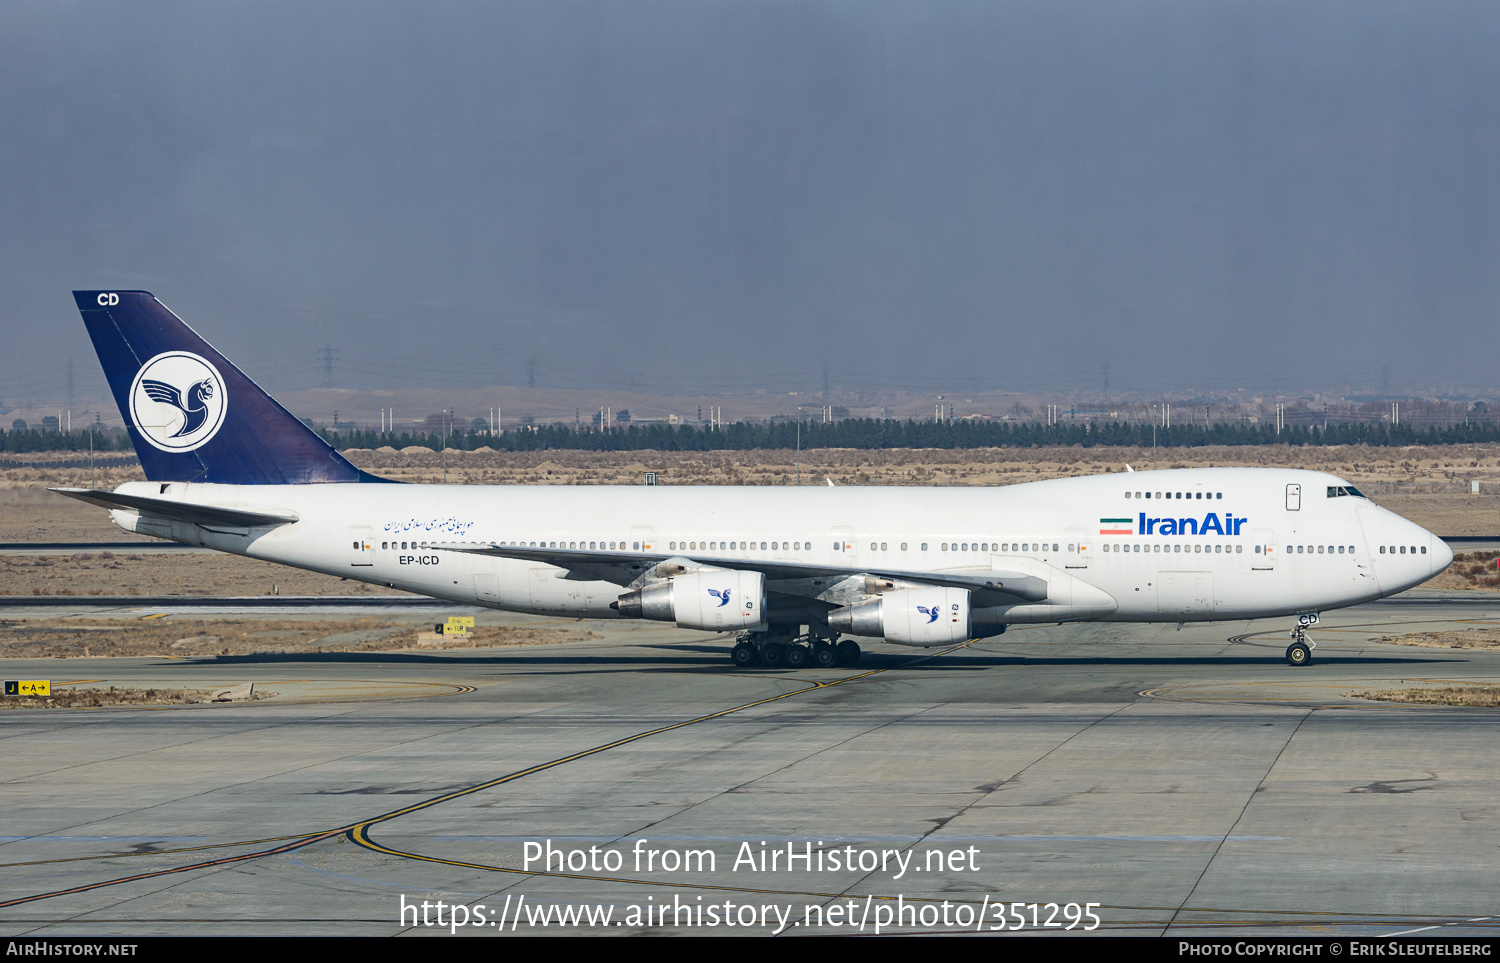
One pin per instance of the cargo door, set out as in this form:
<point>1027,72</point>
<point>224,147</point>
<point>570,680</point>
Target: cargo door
<point>548,591</point>
<point>1185,594</point>
<point>487,589</point>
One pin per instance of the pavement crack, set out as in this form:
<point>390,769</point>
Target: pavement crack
<point>1249,798</point>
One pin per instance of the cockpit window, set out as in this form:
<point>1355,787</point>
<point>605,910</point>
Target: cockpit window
<point>1338,491</point>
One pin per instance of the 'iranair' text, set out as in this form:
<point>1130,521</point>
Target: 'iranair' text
<point>1210,524</point>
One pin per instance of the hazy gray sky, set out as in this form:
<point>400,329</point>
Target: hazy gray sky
<point>683,195</point>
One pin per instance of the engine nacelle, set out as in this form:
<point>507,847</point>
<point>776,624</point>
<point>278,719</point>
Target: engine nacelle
<point>919,616</point>
<point>719,601</point>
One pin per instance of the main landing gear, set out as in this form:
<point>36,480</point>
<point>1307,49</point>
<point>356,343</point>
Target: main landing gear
<point>1300,651</point>
<point>775,652</point>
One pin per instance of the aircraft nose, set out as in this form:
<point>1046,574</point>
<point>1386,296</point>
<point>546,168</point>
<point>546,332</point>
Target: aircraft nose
<point>1442,555</point>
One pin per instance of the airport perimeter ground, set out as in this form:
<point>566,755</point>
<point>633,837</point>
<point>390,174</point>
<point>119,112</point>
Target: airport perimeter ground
<point>1184,782</point>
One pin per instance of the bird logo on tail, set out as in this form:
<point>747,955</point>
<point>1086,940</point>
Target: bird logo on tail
<point>177,402</point>
<point>194,409</point>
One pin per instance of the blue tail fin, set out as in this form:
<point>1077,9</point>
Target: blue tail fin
<point>192,415</point>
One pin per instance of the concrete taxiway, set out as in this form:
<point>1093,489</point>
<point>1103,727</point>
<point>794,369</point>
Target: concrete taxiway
<point>1183,782</point>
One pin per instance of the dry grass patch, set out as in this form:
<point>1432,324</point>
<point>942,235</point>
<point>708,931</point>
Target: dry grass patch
<point>500,636</point>
<point>1483,696</point>
<point>84,638</point>
<point>1451,639</point>
<point>113,696</point>
<point>1470,570</point>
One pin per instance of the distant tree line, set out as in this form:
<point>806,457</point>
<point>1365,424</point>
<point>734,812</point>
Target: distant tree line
<point>874,434</point>
<point>33,439</point>
<point>857,433</point>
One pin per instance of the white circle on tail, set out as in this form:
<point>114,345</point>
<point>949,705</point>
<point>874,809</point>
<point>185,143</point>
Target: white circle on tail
<point>177,401</point>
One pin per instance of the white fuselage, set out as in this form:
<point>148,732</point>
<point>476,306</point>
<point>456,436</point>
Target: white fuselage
<point>1170,546</point>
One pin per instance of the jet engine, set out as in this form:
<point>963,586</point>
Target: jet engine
<point>718,601</point>
<point>917,616</point>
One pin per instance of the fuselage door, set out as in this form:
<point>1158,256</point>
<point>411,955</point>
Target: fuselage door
<point>841,541</point>
<point>1294,498</point>
<point>1078,550</point>
<point>641,539</point>
<point>1263,552</point>
<point>362,550</point>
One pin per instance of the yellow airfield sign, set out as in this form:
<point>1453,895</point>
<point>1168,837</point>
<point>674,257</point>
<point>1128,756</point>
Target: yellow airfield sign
<point>28,687</point>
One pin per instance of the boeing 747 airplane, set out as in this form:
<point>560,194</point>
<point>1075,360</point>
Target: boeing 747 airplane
<point>787,571</point>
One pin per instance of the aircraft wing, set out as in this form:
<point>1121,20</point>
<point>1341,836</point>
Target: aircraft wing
<point>623,568</point>
<point>208,516</point>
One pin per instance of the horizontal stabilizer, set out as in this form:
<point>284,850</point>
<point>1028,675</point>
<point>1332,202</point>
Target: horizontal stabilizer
<point>208,516</point>
<point>1027,587</point>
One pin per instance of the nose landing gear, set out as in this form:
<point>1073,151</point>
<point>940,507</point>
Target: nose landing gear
<point>1300,651</point>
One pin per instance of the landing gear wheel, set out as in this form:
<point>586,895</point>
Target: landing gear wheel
<point>847,652</point>
<point>744,655</point>
<point>797,656</point>
<point>824,656</point>
<point>1298,654</point>
<point>773,655</point>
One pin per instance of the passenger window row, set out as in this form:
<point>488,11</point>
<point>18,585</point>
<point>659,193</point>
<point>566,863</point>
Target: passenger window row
<point>736,546</point>
<point>595,546</point>
<point>1179,495</point>
<point>1175,547</point>
<point>944,546</point>
<point>874,546</point>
